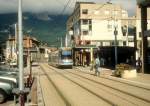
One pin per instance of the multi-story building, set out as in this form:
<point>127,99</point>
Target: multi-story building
<point>94,24</point>
<point>97,24</point>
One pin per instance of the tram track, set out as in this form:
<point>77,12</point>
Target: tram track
<point>120,90</point>
<point>67,103</point>
<point>126,94</point>
<point>110,103</point>
<point>120,82</point>
<point>141,100</point>
<point>135,84</point>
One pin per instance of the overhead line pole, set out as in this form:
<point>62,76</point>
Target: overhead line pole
<point>20,42</point>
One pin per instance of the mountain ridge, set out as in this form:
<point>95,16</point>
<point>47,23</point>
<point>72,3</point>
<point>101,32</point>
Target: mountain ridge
<point>45,27</point>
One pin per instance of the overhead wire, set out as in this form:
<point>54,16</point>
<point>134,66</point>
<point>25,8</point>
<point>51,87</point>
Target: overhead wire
<point>65,6</point>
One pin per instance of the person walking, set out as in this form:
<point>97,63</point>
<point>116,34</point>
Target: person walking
<point>138,65</point>
<point>97,64</point>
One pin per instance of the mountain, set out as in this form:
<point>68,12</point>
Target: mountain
<point>46,28</point>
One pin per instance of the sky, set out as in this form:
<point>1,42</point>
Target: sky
<point>57,6</point>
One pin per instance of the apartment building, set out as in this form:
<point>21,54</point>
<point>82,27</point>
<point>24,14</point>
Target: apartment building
<point>94,24</point>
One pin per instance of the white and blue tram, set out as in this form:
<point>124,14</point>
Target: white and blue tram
<point>61,58</point>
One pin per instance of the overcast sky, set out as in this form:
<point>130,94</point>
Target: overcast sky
<point>57,6</point>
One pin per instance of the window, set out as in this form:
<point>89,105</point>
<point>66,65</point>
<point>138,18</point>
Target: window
<point>85,11</point>
<point>90,21</point>
<point>90,27</point>
<point>124,43</point>
<point>124,30</point>
<point>109,27</point>
<point>85,32</point>
<point>140,34</point>
<point>84,21</point>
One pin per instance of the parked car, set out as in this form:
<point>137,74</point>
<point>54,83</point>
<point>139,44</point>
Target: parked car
<point>6,87</point>
<point>8,81</point>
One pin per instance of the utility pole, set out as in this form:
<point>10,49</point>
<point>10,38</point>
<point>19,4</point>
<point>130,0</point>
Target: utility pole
<point>116,57</point>
<point>20,42</point>
<point>144,38</point>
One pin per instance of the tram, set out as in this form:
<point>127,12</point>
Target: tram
<point>61,58</point>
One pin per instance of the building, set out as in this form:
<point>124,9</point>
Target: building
<point>30,48</point>
<point>96,24</point>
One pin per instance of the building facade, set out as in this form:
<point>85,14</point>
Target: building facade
<point>30,48</point>
<point>94,24</point>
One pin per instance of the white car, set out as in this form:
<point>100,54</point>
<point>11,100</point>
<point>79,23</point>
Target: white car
<point>8,81</point>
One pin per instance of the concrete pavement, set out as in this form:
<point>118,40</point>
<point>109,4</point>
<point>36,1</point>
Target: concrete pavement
<point>140,80</point>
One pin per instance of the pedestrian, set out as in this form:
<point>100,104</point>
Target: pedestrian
<point>77,61</point>
<point>97,64</point>
<point>102,61</point>
<point>127,61</point>
<point>138,64</point>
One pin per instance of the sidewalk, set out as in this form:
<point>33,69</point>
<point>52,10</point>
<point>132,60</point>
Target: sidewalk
<point>141,78</point>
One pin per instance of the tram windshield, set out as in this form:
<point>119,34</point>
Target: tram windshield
<point>66,55</point>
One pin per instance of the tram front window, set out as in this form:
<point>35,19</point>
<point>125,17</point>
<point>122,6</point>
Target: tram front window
<point>66,55</point>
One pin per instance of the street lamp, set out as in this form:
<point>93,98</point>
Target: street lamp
<point>116,33</point>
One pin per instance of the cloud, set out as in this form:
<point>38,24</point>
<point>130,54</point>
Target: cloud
<point>55,6</point>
